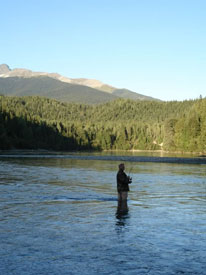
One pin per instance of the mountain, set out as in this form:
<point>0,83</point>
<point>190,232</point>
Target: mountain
<point>124,93</point>
<point>4,69</point>
<point>90,91</point>
<point>52,88</point>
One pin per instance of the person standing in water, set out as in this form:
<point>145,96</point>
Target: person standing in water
<point>123,182</point>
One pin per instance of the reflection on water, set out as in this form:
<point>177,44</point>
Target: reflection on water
<point>61,216</point>
<point>122,214</point>
<point>122,207</point>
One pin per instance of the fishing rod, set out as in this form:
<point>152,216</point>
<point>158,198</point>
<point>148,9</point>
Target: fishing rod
<point>130,170</point>
<point>130,176</point>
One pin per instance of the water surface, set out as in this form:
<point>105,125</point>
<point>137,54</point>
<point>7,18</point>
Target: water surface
<point>59,216</point>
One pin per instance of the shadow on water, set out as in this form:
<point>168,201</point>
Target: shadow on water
<point>122,213</point>
<point>82,198</point>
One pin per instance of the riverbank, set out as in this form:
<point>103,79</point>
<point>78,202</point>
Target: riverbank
<point>133,151</point>
<point>106,156</point>
<point>161,152</point>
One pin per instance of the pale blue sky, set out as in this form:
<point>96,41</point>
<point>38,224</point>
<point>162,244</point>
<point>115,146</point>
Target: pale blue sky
<point>153,47</point>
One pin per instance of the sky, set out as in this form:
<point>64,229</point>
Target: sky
<point>153,47</point>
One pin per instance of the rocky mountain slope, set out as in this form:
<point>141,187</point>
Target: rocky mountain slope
<point>26,82</point>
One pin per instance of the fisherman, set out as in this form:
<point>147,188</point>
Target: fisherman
<point>123,182</point>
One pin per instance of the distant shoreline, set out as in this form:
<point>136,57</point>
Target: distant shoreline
<point>45,151</point>
<point>88,156</point>
<point>159,151</point>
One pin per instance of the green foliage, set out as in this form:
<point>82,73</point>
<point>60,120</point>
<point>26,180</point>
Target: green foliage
<point>190,130</point>
<point>37,122</point>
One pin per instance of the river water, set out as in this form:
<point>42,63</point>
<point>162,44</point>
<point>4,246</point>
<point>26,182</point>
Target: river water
<point>59,216</point>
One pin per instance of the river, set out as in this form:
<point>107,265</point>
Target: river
<point>59,216</point>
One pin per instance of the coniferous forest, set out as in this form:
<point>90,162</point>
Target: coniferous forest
<point>41,123</point>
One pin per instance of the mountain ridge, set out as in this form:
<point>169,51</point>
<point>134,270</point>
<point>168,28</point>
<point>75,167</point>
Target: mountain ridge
<point>97,87</point>
<point>51,88</point>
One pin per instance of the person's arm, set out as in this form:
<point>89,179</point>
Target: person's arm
<point>128,179</point>
<point>123,178</point>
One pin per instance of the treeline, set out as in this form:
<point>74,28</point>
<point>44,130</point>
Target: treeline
<point>41,123</point>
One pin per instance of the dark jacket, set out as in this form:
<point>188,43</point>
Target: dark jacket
<point>122,181</point>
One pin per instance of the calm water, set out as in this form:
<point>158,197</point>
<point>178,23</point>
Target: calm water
<point>59,216</point>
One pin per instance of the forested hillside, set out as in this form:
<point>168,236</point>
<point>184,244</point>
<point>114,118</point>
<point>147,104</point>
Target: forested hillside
<point>52,88</point>
<point>36,122</point>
